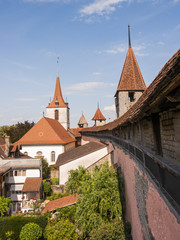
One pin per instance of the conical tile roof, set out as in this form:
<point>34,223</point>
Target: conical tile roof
<point>82,120</point>
<point>131,77</point>
<point>98,115</point>
<point>57,96</point>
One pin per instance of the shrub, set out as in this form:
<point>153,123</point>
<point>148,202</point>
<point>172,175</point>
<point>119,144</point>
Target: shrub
<point>56,196</point>
<point>47,188</point>
<point>30,231</point>
<point>62,230</point>
<point>15,224</point>
<point>109,231</point>
<point>55,181</point>
<point>10,235</point>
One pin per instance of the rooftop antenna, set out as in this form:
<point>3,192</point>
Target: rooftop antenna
<point>129,36</point>
<point>58,66</point>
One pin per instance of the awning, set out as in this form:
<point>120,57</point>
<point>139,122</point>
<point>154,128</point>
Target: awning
<point>16,187</point>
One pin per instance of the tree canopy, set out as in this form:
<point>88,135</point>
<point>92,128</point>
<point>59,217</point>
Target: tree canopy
<point>4,205</point>
<point>99,200</point>
<point>16,131</point>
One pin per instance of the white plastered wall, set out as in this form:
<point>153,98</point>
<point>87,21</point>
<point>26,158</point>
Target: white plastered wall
<point>84,161</point>
<point>63,115</point>
<point>46,151</point>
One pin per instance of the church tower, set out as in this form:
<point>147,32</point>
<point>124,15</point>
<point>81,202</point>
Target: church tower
<point>98,118</point>
<point>58,109</point>
<point>131,84</point>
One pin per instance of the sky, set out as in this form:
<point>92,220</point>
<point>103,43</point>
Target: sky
<point>90,37</point>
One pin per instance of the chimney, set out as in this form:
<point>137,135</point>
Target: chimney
<point>7,144</point>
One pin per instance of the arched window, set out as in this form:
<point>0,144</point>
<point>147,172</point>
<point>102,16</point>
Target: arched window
<point>39,153</point>
<point>56,114</point>
<point>53,156</point>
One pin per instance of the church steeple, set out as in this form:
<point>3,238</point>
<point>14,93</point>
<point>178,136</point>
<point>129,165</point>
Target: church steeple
<point>57,96</point>
<point>57,108</point>
<point>131,84</point>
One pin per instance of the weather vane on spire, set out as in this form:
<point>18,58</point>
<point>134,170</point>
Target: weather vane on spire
<point>58,66</point>
<point>129,36</point>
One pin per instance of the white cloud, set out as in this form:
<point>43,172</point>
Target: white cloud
<point>101,7</point>
<point>16,119</point>
<point>161,43</point>
<point>23,65</point>
<point>97,73</point>
<point>109,108</point>
<point>26,99</point>
<point>86,88</point>
<point>41,0</point>
<point>115,50</point>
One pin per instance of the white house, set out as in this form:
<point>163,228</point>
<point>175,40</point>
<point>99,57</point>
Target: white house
<point>86,155</point>
<point>15,174</point>
<point>47,139</point>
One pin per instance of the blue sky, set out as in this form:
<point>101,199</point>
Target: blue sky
<point>90,38</point>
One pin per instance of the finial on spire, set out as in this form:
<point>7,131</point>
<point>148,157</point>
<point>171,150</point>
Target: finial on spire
<point>97,104</point>
<point>129,36</point>
<point>43,113</point>
<point>58,66</point>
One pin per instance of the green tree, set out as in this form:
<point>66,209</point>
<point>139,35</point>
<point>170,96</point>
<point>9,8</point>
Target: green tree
<point>76,179</point>
<point>4,205</point>
<point>62,230</point>
<point>45,169</point>
<point>109,231</point>
<point>30,231</point>
<point>47,188</point>
<point>16,131</point>
<point>99,201</point>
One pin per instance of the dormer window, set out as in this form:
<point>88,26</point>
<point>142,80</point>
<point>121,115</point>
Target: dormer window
<point>56,103</point>
<point>131,97</point>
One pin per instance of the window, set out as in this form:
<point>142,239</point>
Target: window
<point>23,172</point>
<point>16,173</point>
<point>11,173</point>
<point>19,173</point>
<point>56,115</point>
<point>39,153</point>
<point>131,97</point>
<point>14,207</point>
<point>52,156</point>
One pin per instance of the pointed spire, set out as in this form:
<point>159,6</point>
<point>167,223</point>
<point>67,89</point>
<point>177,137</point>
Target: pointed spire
<point>82,120</point>
<point>98,115</point>
<point>129,37</point>
<point>58,100</point>
<point>131,78</point>
<point>58,66</point>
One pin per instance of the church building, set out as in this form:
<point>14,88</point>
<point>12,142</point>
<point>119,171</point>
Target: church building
<point>49,136</point>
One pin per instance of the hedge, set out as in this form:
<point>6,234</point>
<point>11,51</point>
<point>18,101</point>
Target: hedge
<point>15,224</point>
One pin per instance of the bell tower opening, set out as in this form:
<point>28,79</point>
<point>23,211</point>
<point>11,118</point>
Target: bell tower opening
<point>56,114</point>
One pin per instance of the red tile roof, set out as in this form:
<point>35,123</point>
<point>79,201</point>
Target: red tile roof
<point>60,203</point>
<point>78,152</point>
<point>131,78</point>
<point>32,185</point>
<point>57,96</point>
<point>98,115</point>
<point>46,131</point>
<point>168,78</point>
<point>82,120</point>
<point>75,132</point>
